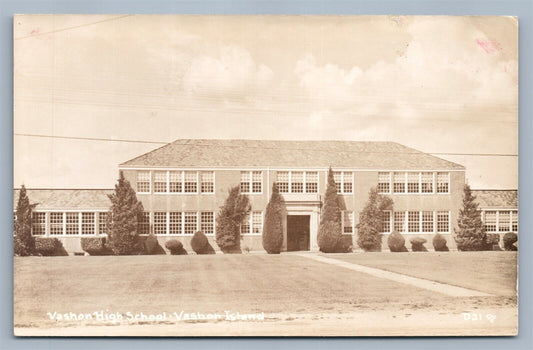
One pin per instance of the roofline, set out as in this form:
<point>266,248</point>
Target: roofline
<point>269,167</point>
<point>497,189</point>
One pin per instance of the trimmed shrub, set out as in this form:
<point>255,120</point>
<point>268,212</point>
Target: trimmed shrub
<point>493,242</point>
<point>95,246</point>
<point>330,237</point>
<point>345,244</point>
<point>330,229</point>
<point>396,242</point>
<point>272,238</point>
<point>440,244</point>
<point>200,244</point>
<point>49,246</point>
<point>417,244</point>
<point>152,247</point>
<point>175,247</point>
<point>370,220</point>
<point>509,240</point>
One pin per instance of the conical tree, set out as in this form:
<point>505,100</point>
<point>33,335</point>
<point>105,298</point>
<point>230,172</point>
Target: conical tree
<point>368,228</point>
<point>470,234</point>
<point>273,228</point>
<point>126,211</point>
<point>24,242</point>
<point>231,215</point>
<point>330,229</point>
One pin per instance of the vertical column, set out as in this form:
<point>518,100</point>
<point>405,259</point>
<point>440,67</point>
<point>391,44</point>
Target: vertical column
<point>47,224</point>
<point>79,223</point>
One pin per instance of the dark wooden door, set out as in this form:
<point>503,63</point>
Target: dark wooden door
<point>298,232</point>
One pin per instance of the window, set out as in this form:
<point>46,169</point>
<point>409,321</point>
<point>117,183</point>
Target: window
<point>38,223</point>
<point>384,183</point>
<point>160,223</point>
<point>443,182</point>
<point>385,221</point>
<point>56,223</point>
<point>347,222</point>
<point>311,182</point>
<point>413,182</point>
<point>427,182</point>
<point>297,182</point>
<point>190,221</point>
<point>343,181</point>
<point>413,221</point>
<point>207,222</point>
<point>102,223</point>
<point>337,177</point>
<point>490,221</point>
<point>427,221</point>
<point>443,221</point>
<point>73,224</point>
<point>143,181</point>
<point>175,180</point>
<point>245,182</point>
<point>514,221</point>
<point>160,181</point>
<point>504,221</point>
<point>207,182</point>
<point>257,222</point>
<point>399,221</point>
<point>87,223</point>
<point>399,182</point>
<point>175,223</point>
<point>143,224</point>
<point>283,181</point>
<point>245,225</point>
<point>257,181</point>
<point>191,182</point>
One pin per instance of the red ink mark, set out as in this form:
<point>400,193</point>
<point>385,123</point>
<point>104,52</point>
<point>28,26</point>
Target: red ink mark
<point>489,46</point>
<point>35,31</point>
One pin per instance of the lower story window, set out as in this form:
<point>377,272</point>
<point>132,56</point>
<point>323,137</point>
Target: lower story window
<point>143,224</point>
<point>443,221</point>
<point>73,227</point>
<point>427,221</point>
<point>102,223</point>
<point>347,222</point>
<point>175,223</point>
<point>160,223</point>
<point>87,223</point>
<point>190,221</point>
<point>207,222</point>
<point>38,223</point>
<point>385,221</point>
<point>413,222</point>
<point>257,222</point>
<point>490,221</point>
<point>399,221</point>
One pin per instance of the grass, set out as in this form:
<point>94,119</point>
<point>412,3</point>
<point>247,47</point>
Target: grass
<point>283,283</point>
<point>490,272</point>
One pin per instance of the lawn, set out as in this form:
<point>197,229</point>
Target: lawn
<point>490,272</point>
<point>285,284</point>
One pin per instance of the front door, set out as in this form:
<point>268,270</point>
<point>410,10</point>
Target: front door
<point>298,232</point>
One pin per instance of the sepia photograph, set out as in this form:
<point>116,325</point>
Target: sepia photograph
<point>265,175</point>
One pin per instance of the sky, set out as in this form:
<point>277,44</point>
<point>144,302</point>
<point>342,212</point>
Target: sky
<point>437,84</point>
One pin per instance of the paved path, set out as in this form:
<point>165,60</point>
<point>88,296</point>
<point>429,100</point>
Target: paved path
<point>398,277</point>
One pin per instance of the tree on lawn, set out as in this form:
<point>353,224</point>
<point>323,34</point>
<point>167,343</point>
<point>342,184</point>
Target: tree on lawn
<point>471,234</point>
<point>126,211</point>
<point>273,228</point>
<point>369,226</point>
<point>24,242</point>
<point>229,219</point>
<point>330,229</point>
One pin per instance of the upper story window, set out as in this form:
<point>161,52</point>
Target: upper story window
<point>251,181</point>
<point>190,184</point>
<point>297,181</point>
<point>160,181</point>
<point>207,182</point>
<point>143,181</point>
<point>175,181</point>
<point>413,182</point>
<point>343,181</point>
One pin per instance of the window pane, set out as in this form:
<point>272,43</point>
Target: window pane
<point>207,182</point>
<point>245,181</point>
<point>87,223</point>
<point>337,176</point>
<point>207,222</point>
<point>443,182</point>
<point>143,181</point>
<point>56,223</point>
<point>73,227</point>
<point>427,221</point>
<point>399,182</point>
<point>504,221</point>
<point>245,225</point>
<point>175,181</point>
<point>297,181</point>
<point>311,182</point>
<point>385,221</point>
<point>384,183</point>
<point>347,182</point>
<point>515,221</point>
<point>443,221</point>
<point>427,182</point>
<point>257,181</point>
<point>38,223</point>
<point>160,181</point>
<point>347,222</point>
<point>412,182</point>
<point>175,223</point>
<point>190,223</point>
<point>413,222</point>
<point>490,221</point>
<point>102,223</point>
<point>143,224</point>
<point>160,223</point>
<point>283,181</point>
<point>399,221</point>
<point>257,222</point>
<point>191,182</point>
